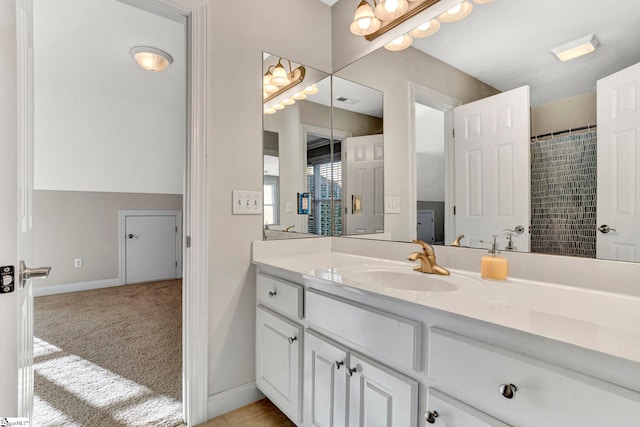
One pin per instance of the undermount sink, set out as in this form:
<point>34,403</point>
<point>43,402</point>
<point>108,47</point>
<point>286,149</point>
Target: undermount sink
<point>400,278</point>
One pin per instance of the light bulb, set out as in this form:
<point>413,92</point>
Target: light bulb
<point>270,111</point>
<point>455,9</point>
<point>425,26</point>
<point>299,96</point>
<point>391,5</point>
<point>278,107</point>
<point>398,41</point>
<point>288,101</point>
<point>364,23</point>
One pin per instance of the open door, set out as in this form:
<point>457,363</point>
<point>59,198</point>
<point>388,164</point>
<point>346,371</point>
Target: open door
<point>618,106</point>
<point>492,177</point>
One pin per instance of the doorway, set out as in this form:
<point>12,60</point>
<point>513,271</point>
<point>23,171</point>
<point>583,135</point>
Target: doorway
<point>97,164</point>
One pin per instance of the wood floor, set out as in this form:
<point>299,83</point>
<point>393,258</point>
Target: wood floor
<point>262,413</point>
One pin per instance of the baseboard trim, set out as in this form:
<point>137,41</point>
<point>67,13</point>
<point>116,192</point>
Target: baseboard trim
<point>233,399</point>
<point>75,287</point>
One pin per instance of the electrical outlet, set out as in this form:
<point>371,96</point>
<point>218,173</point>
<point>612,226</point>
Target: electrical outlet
<point>247,202</point>
<point>77,263</point>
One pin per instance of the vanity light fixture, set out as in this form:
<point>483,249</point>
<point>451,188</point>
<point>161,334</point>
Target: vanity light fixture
<point>456,13</point>
<point>151,59</point>
<point>365,21</point>
<point>390,9</point>
<point>427,29</point>
<point>277,80</point>
<point>576,48</point>
<point>400,43</point>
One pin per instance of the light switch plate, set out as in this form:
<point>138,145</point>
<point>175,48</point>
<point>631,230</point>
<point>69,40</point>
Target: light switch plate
<point>392,205</point>
<point>289,207</point>
<point>247,202</point>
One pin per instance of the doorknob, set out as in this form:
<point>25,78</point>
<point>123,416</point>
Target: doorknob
<point>604,228</point>
<point>32,273</point>
<point>131,236</point>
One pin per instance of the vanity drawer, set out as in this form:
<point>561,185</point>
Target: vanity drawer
<point>382,335</point>
<point>545,394</point>
<point>280,295</point>
<point>444,410</point>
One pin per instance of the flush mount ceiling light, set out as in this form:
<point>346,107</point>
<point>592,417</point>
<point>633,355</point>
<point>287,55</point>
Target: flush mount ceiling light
<point>576,48</point>
<point>456,13</point>
<point>151,59</point>
<point>400,43</point>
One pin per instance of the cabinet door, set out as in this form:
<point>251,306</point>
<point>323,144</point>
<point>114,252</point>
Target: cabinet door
<point>379,396</point>
<point>444,410</point>
<point>325,382</point>
<point>278,352</point>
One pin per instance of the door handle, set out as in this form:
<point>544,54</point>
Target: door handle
<point>131,236</point>
<point>518,229</point>
<point>604,228</point>
<point>32,273</point>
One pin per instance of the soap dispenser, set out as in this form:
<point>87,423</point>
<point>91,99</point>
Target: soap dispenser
<point>493,266</point>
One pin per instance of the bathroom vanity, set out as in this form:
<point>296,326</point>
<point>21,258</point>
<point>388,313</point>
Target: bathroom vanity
<point>346,339</point>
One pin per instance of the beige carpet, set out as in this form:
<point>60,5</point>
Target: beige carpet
<point>109,357</point>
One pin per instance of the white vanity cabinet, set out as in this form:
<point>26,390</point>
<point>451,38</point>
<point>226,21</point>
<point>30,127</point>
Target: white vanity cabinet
<point>337,378</point>
<point>524,391</point>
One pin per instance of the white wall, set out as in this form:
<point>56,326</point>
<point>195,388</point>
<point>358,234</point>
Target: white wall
<point>8,207</point>
<point>98,118</point>
<point>405,66</point>
<point>430,167</point>
<point>238,34</point>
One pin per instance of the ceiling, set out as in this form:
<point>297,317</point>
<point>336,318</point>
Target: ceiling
<point>85,44</point>
<point>507,44</point>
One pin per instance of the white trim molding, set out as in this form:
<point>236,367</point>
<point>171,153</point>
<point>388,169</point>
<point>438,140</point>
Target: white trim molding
<point>233,399</point>
<point>41,291</point>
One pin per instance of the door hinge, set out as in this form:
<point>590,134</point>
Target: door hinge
<point>453,132</point>
<point>454,210</point>
<point>176,228</point>
<point>176,264</point>
<point>188,241</point>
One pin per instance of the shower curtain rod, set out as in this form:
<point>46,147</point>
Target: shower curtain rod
<point>565,131</point>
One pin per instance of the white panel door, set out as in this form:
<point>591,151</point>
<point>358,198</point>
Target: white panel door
<point>363,172</point>
<point>278,360</point>
<point>325,382</point>
<point>492,178</point>
<point>426,226</point>
<point>151,248</point>
<point>379,396</point>
<point>619,166</point>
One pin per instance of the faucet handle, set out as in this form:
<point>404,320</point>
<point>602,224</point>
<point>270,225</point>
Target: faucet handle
<point>424,244</point>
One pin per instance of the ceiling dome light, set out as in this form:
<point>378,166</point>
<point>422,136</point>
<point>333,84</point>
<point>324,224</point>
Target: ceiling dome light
<point>456,13</point>
<point>425,30</point>
<point>279,76</point>
<point>288,101</point>
<point>364,22</point>
<point>151,59</point>
<point>390,9</point>
<point>401,43</point>
<point>299,96</point>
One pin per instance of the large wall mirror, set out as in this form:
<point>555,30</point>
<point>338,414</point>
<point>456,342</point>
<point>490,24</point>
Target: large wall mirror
<point>323,164</point>
<point>576,181</point>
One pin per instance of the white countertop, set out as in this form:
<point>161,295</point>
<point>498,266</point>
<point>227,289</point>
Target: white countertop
<point>597,320</point>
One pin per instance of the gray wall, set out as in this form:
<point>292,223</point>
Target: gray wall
<point>295,29</point>
<point>80,224</point>
<point>567,113</point>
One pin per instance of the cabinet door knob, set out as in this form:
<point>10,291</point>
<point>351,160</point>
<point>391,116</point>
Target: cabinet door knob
<point>338,364</point>
<point>431,416</point>
<point>272,294</point>
<point>351,371</point>
<point>508,390</point>
<point>292,339</point>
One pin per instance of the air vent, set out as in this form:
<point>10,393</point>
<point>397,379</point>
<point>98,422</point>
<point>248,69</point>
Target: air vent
<point>347,100</point>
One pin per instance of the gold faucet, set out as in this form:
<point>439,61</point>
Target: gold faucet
<point>427,260</point>
<point>288,228</point>
<point>456,241</point>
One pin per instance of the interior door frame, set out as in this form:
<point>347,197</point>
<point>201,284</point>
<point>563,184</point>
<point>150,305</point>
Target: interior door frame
<point>445,103</point>
<point>195,295</point>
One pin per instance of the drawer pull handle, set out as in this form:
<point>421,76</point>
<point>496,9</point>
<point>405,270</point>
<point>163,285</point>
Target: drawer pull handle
<point>508,390</point>
<point>338,364</point>
<point>292,339</point>
<point>272,294</point>
<point>351,371</point>
<point>431,416</point>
